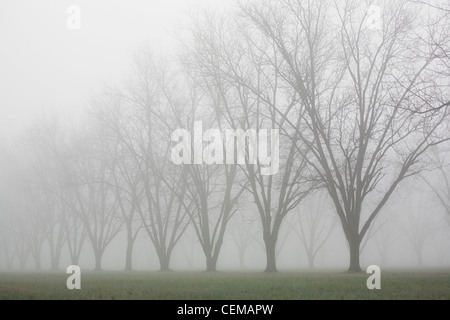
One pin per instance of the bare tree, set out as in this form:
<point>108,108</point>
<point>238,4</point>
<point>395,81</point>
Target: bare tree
<point>95,202</point>
<point>213,192</point>
<point>385,239</point>
<point>137,116</point>
<point>54,228</point>
<point>125,189</point>
<point>68,187</point>
<point>312,228</point>
<point>48,144</point>
<point>358,87</point>
<point>243,234</point>
<point>126,182</point>
<point>75,231</point>
<point>243,90</point>
<point>419,228</point>
<point>188,246</point>
<point>31,228</point>
<point>21,246</point>
<point>35,210</point>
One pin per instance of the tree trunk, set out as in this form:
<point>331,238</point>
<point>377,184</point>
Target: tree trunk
<point>242,259</point>
<point>55,256</point>
<point>98,261</point>
<point>211,264</point>
<point>128,258</point>
<point>74,259</point>
<point>419,258</point>
<point>310,261</point>
<point>129,253</point>
<point>164,262</point>
<point>354,256</point>
<point>271,265</point>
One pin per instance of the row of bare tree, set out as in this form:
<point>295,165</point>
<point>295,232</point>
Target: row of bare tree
<point>358,106</point>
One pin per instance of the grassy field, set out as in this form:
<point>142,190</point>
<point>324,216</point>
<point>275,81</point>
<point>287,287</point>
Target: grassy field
<point>226,286</point>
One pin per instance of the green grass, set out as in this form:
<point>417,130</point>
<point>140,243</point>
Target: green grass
<point>226,286</point>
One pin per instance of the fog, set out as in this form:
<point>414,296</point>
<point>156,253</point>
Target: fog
<point>339,122</point>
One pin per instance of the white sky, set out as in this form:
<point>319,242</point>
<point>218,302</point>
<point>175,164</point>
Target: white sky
<point>47,68</point>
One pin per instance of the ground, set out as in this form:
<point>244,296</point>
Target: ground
<point>432,284</point>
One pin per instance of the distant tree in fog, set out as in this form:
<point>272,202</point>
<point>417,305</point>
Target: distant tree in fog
<point>188,245</point>
<point>243,232</point>
<point>94,200</point>
<point>36,217</point>
<point>67,191</point>
<point>47,175</point>
<point>313,226</point>
<point>440,184</point>
<point>126,182</point>
<point>139,119</point>
<point>419,228</point>
<point>384,240</point>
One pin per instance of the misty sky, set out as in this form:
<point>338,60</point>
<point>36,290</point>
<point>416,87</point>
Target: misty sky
<point>45,67</point>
